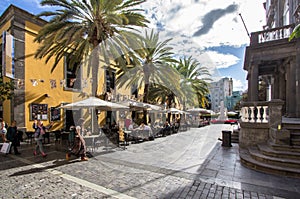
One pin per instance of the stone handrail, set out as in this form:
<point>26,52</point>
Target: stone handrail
<point>263,112</point>
<point>271,34</point>
<point>255,112</point>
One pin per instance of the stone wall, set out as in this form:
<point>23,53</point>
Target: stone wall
<point>253,133</point>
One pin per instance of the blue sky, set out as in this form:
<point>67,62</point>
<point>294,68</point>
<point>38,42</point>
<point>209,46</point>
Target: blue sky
<point>210,31</point>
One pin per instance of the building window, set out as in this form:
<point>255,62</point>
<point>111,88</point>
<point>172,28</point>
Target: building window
<point>110,77</point>
<point>286,13</point>
<point>72,76</point>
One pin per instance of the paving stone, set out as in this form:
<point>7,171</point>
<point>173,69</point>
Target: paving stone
<point>137,173</point>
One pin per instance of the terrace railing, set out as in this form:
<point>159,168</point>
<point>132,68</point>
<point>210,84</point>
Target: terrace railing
<point>263,112</point>
<point>255,112</point>
<point>271,34</point>
<point>260,122</point>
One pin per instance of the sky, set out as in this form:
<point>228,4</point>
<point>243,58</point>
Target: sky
<point>211,31</point>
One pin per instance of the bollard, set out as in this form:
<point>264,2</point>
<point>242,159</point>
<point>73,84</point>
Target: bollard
<point>226,138</point>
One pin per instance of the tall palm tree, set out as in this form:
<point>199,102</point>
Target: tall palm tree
<point>79,29</point>
<point>89,30</point>
<point>152,66</point>
<point>195,77</point>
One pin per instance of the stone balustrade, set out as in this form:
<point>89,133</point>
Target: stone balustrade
<point>271,34</point>
<point>260,122</point>
<point>255,112</point>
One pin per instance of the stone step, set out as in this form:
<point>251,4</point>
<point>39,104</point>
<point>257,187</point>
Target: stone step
<point>291,123</point>
<point>269,151</point>
<point>283,162</point>
<point>295,142</point>
<point>291,126</point>
<point>235,136</point>
<point>292,148</point>
<point>248,161</point>
<point>295,135</point>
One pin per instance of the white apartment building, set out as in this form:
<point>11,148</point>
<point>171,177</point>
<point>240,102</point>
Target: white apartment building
<point>219,90</point>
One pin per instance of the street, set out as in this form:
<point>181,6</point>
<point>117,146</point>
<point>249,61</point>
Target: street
<point>190,164</point>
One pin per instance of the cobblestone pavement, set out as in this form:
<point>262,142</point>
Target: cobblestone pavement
<point>190,164</point>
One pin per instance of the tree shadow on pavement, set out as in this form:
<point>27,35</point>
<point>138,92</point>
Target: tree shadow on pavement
<point>41,168</point>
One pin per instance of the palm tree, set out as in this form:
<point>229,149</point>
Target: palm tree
<point>6,90</point>
<point>191,83</point>
<point>87,30</point>
<point>152,66</point>
<point>295,33</point>
<point>80,29</point>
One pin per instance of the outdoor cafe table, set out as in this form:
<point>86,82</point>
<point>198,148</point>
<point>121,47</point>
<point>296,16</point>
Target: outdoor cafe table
<point>126,135</point>
<point>90,141</point>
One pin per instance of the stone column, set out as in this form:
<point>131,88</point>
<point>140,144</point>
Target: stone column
<point>291,89</point>
<point>277,134</point>
<point>253,83</point>
<point>297,81</point>
<point>276,86</point>
<point>282,88</point>
<point>275,113</point>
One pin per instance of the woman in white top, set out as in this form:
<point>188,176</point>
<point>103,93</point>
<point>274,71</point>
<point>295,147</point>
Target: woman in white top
<point>3,129</point>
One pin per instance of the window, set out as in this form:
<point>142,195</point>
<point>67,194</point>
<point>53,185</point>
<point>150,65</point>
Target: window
<point>72,75</point>
<point>110,80</point>
<point>1,69</point>
<point>286,16</point>
<point>110,85</point>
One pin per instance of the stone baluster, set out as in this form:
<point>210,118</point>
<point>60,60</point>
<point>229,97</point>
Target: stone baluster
<point>243,112</point>
<point>252,120</point>
<point>246,115</point>
<point>258,116</point>
<point>264,117</point>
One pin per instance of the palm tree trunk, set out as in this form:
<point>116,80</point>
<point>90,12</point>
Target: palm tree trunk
<point>146,91</point>
<point>145,100</point>
<point>95,66</point>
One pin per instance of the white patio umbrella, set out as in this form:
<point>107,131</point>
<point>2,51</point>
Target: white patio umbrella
<point>93,103</point>
<point>174,111</point>
<point>198,110</point>
<point>135,105</point>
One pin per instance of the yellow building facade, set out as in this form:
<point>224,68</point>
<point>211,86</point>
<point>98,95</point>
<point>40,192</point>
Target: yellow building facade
<point>39,92</point>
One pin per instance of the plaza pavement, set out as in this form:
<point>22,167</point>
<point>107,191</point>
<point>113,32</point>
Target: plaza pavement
<point>190,164</point>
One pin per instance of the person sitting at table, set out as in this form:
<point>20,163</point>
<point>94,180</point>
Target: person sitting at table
<point>78,148</point>
<point>144,127</point>
<point>166,128</point>
<point>131,127</point>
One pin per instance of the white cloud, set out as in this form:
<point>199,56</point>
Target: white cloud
<point>184,18</point>
<point>181,19</point>
<point>220,60</point>
<point>238,85</point>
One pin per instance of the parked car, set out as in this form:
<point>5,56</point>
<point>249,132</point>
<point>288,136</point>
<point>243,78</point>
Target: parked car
<point>228,121</point>
<point>231,121</point>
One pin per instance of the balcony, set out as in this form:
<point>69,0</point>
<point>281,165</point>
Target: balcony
<point>271,34</point>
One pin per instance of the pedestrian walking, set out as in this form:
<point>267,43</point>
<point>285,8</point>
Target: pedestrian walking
<point>3,129</point>
<point>78,148</point>
<point>13,137</point>
<point>39,133</point>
